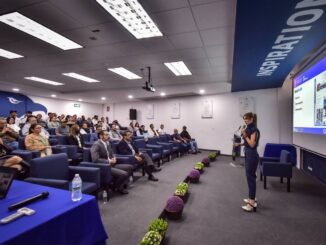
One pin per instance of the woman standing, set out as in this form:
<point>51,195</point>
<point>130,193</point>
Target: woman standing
<point>250,135</point>
<point>36,142</point>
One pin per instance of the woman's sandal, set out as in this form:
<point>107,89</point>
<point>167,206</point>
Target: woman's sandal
<point>250,207</point>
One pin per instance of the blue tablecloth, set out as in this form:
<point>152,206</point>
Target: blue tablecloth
<point>57,219</point>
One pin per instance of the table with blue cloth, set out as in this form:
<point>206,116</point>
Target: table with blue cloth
<point>57,219</point>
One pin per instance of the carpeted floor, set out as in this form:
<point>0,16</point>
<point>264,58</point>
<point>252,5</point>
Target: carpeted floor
<point>213,215</point>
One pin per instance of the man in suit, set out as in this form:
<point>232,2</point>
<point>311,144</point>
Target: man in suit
<point>101,152</point>
<point>126,147</point>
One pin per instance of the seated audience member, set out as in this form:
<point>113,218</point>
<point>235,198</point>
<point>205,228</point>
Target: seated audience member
<point>50,114</point>
<point>152,132</point>
<point>105,125</point>
<point>13,114</point>
<point>131,127</point>
<point>85,129</point>
<point>193,144</point>
<point>36,142</point>
<point>72,120</point>
<point>8,135</point>
<point>114,133</point>
<point>53,123</point>
<point>161,131</point>
<point>62,117</point>
<point>101,152</point>
<point>11,124</point>
<point>63,129</point>
<point>136,127</point>
<point>75,138</point>
<point>23,120</point>
<point>90,123</point>
<point>95,120</point>
<point>30,121</point>
<point>40,120</point>
<point>126,147</point>
<point>177,138</point>
<point>7,160</point>
<point>141,132</point>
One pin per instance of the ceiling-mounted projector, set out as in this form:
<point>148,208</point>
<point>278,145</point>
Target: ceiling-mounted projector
<point>148,84</point>
<point>148,87</point>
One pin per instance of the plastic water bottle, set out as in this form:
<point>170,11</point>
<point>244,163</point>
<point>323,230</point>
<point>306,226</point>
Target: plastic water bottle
<point>76,194</point>
<point>105,197</point>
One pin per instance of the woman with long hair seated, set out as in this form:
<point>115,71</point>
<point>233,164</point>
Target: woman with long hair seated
<point>75,138</point>
<point>36,142</point>
<point>15,162</point>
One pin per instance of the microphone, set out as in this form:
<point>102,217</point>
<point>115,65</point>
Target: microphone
<point>27,201</point>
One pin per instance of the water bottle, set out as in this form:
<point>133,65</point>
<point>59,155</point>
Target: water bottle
<point>105,197</point>
<point>76,194</point>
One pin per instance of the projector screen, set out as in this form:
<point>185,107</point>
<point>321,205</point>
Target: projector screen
<point>309,107</point>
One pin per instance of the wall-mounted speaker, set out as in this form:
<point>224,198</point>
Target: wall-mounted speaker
<point>132,114</point>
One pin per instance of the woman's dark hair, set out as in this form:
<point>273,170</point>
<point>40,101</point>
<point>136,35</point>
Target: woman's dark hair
<point>251,115</point>
<point>8,119</point>
<point>32,128</point>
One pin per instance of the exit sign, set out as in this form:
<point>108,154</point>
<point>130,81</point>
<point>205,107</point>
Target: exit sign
<point>76,105</point>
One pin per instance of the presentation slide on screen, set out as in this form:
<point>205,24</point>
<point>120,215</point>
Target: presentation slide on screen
<point>309,100</point>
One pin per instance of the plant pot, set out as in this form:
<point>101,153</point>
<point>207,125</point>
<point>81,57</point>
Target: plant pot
<point>193,180</point>
<point>173,215</point>
<point>206,164</point>
<point>200,170</point>
<point>184,197</point>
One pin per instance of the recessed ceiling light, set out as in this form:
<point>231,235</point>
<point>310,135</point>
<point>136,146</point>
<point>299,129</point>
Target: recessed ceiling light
<point>15,89</point>
<point>80,77</point>
<point>162,94</point>
<point>132,16</point>
<point>9,55</point>
<point>130,96</point>
<point>42,80</point>
<point>103,98</point>
<point>178,68</point>
<point>80,100</point>
<point>201,91</point>
<point>53,95</point>
<point>124,72</point>
<point>35,29</point>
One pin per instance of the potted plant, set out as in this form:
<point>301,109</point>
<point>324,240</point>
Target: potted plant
<point>151,238</point>
<point>212,156</point>
<point>174,207</point>
<point>159,225</point>
<point>182,191</point>
<point>200,167</point>
<point>194,176</point>
<point>206,161</point>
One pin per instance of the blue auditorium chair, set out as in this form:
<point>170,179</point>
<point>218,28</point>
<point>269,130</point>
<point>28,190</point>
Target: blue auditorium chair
<point>154,151</point>
<point>272,152</point>
<point>55,171</point>
<point>281,168</point>
<point>167,147</point>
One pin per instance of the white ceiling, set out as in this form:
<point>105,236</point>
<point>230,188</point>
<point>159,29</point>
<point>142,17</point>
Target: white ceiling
<point>199,32</point>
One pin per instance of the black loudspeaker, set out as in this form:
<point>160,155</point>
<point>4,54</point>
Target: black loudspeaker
<point>132,114</point>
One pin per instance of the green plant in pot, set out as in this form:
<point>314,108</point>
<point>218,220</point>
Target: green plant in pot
<point>159,225</point>
<point>212,156</point>
<point>151,238</point>
<point>199,166</point>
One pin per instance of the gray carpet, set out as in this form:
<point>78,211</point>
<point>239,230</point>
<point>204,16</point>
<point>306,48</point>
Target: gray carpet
<point>213,215</point>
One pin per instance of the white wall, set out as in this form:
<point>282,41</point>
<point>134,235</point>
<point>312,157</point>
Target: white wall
<point>67,107</point>
<point>215,133</point>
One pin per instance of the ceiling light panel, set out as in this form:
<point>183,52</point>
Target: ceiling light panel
<point>124,72</point>
<point>9,55</point>
<point>35,29</point>
<point>80,77</point>
<point>42,80</point>
<point>178,68</point>
<point>132,16</point>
